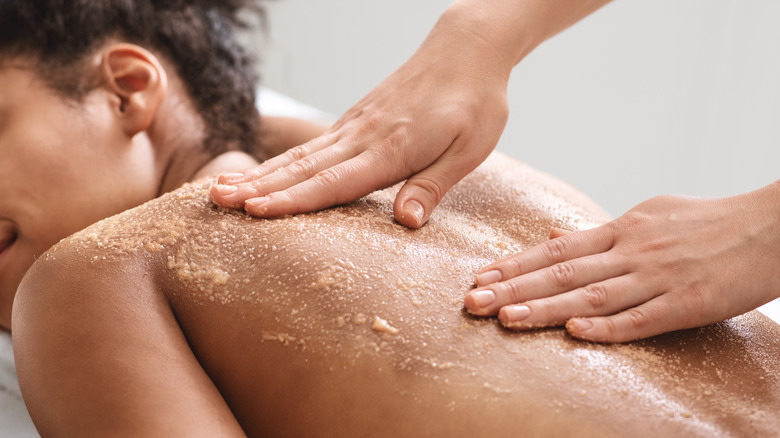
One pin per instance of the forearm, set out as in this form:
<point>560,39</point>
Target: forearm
<point>514,27</point>
<point>430,122</point>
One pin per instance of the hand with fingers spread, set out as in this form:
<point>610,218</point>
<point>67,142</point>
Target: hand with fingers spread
<point>670,263</point>
<point>430,123</point>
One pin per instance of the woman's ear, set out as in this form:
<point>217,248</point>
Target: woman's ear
<point>138,82</point>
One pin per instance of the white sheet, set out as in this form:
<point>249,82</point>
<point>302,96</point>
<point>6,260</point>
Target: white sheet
<point>14,420</point>
<point>273,103</point>
<point>772,310</point>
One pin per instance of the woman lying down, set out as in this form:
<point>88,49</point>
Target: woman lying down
<point>177,318</point>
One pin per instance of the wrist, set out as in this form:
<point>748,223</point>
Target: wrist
<point>766,203</point>
<point>516,27</point>
<point>471,33</point>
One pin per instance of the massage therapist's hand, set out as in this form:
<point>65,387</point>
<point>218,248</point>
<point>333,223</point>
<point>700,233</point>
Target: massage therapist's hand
<point>670,263</point>
<point>432,121</point>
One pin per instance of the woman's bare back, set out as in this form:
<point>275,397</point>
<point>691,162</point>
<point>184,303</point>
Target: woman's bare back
<point>344,323</point>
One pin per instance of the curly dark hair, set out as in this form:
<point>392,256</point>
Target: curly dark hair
<point>197,36</point>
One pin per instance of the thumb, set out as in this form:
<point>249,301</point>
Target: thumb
<point>423,191</point>
<point>416,201</point>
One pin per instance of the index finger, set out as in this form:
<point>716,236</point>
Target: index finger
<point>561,249</point>
<point>339,184</point>
<point>288,157</point>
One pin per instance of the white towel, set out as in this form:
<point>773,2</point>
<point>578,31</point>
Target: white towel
<point>273,103</point>
<point>772,310</point>
<point>14,420</point>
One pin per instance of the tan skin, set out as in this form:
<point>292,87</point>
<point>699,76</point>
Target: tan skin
<point>179,319</point>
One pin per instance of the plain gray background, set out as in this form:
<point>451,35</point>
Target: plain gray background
<point>642,98</point>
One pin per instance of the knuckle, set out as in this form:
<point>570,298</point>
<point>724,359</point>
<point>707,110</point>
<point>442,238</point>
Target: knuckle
<point>376,155</point>
<point>562,274</point>
<point>632,220</point>
<point>515,292</point>
<point>398,137</point>
<point>381,159</point>
<point>514,265</point>
<point>433,188</point>
<point>611,329</point>
<point>297,153</point>
<point>372,120</point>
<point>695,302</point>
<point>301,168</point>
<point>328,182</point>
<point>555,250</point>
<point>638,318</point>
<point>328,178</point>
<point>596,296</point>
<point>381,163</point>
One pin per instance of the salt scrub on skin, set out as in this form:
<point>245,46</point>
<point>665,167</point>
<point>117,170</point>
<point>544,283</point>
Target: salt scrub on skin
<point>193,254</point>
<point>310,291</point>
<point>306,291</point>
<point>380,325</point>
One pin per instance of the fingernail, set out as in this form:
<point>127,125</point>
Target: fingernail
<point>579,325</point>
<point>256,205</point>
<point>229,176</point>
<point>516,313</point>
<point>415,209</point>
<point>225,190</point>
<point>483,298</point>
<point>489,277</point>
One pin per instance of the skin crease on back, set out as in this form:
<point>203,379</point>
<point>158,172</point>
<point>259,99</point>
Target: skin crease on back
<point>344,323</point>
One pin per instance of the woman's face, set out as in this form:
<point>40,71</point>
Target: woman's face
<point>63,166</point>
